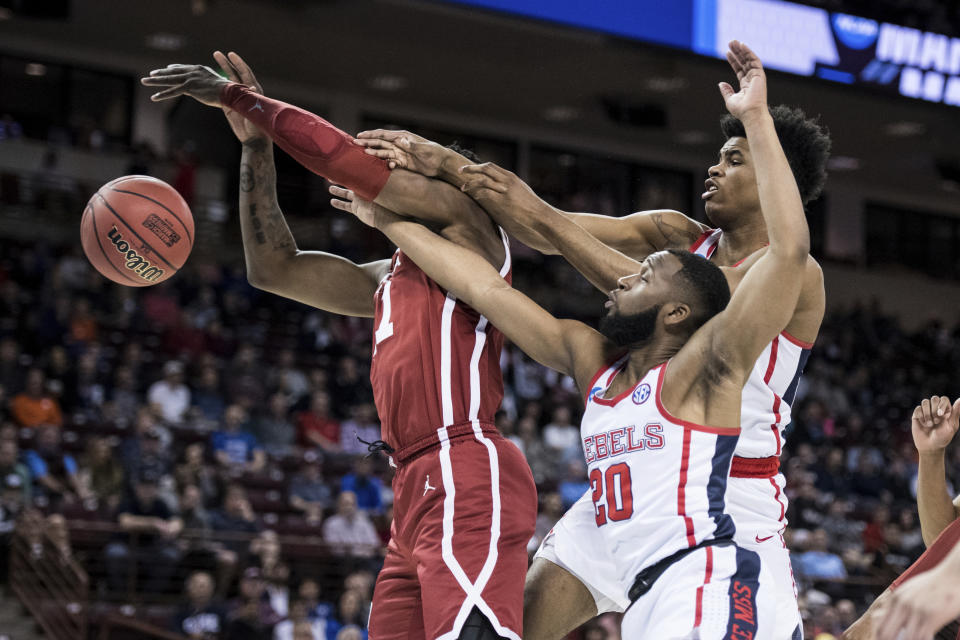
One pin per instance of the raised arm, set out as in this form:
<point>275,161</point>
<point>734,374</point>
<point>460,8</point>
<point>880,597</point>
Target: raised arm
<point>567,346</point>
<point>764,302</point>
<point>503,195</point>
<point>934,424</point>
<point>274,263</point>
<point>327,151</point>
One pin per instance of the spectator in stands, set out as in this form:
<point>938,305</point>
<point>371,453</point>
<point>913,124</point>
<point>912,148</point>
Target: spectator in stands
<point>34,406</point>
<point>10,465</point>
<point>316,427</point>
<point>365,486</point>
<point>309,494</point>
<point>298,625</point>
<point>102,474</point>
<point>351,632</point>
<point>169,396</point>
<point>265,554</point>
<point>147,450</point>
<point>349,387</point>
<point>235,516</point>
<point>539,459</point>
<point>246,384</point>
<point>234,448</point>
<point>274,429</point>
<point>83,324</point>
<point>362,583</point>
<point>818,562</point>
<point>318,611</point>
<point>361,429</point>
<point>250,615</point>
<point>552,511</point>
<point>199,616</point>
<point>54,472</point>
<point>350,531</point>
<point>349,612</point>
<point>123,396</point>
<point>194,471</point>
<point>149,539</point>
<point>574,483</point>
<point>208,398</point>
<point>288,378</point>
<point>561,436</point>
<point>201,547</point>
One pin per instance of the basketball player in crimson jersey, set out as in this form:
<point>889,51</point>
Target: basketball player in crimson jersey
<point>566,585</point>
<point>465,501</point>
<point>662,419</point>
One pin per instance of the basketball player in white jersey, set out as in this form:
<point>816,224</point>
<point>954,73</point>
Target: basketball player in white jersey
<point>663,387</point>
<point>566,585</point>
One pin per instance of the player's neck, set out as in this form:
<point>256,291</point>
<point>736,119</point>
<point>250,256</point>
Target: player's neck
<point>643,359</point>
<point>740,240</point>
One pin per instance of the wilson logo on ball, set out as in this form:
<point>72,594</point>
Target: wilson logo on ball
<point>162,229</point>
<point>135,262</point>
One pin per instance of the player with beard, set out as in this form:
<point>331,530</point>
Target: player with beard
<point>662,383</point>
<point>566,584</point>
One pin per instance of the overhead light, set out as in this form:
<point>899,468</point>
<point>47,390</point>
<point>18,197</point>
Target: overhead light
<point>693,136</point>
<point>843,163</point>
<point>905,129</point>
<point>561,113</point>
<point>166,41</point>
<point>387,82</point>
<point>667,84</point>
<point>35,69</point>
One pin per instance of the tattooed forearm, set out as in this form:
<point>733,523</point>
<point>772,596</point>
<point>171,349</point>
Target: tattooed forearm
<point>672,234</point>
<point>266,236</point>
<point>247,183</point>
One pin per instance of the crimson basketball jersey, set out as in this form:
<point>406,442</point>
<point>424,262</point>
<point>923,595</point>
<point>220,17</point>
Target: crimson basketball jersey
<point>436,361</point>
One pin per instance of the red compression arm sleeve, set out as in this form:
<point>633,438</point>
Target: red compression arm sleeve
<point>311,140</point>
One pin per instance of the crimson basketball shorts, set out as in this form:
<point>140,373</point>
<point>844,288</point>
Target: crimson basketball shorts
<point>465,508</point>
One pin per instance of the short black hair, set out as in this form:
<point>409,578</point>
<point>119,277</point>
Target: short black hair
<point>469,154</point>
<point>805,142</point>
<point>704,282</point>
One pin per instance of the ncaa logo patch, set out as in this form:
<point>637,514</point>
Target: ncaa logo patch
<point>641,394</point>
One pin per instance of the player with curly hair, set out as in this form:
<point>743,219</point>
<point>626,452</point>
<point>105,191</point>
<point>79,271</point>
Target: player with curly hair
<point>566,584</point>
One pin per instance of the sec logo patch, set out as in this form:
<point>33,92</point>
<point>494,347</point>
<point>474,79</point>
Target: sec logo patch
<point>641,393</point>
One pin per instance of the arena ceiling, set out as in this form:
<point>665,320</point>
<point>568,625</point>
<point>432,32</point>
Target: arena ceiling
<point>492,68</point>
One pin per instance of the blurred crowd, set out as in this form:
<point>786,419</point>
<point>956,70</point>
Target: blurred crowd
<point>219,428</point>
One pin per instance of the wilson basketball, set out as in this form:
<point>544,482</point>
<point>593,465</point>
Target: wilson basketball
<point>137,231</point>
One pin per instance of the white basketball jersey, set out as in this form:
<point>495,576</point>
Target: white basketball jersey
<point>772,385</point>
<point>657,482</point>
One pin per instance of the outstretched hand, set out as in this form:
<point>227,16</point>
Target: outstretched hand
<point>239,71</point>
<point>752,95</point>
<point>201,83</point>
<point>934,424</point>
<point>502,193</point>
<point>403,150</point>
<point>347,200</point>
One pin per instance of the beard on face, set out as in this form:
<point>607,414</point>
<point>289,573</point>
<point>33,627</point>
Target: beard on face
<point>625,331</point>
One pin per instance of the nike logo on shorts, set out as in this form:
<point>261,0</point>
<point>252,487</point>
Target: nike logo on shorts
<point>760,540</point>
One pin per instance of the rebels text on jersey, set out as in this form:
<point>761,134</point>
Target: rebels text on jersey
<point>436,361</point>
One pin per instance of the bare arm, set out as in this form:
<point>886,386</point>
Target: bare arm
<point>736,337</point>
<point>567,346</point>
<point>274,263</point>
<point>636,235</point>
<point>934,424</point>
